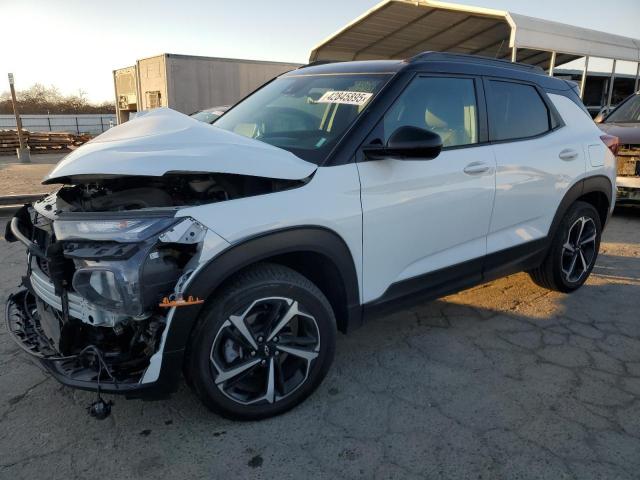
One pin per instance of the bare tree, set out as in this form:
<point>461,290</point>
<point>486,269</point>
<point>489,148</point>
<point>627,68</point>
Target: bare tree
<point>39,99</point>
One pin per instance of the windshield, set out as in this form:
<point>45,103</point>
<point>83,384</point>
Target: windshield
<point>305,115</point>
<point>628,112</point>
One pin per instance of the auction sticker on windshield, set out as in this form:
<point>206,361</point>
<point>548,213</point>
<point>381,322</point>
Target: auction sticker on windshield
<point>345,97</point>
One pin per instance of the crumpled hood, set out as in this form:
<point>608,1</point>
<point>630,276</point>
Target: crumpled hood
<point>162,140</point>
<point>628,133</point>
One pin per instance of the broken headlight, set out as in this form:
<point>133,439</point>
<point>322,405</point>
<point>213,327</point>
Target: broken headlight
<point>107,287</point>
<point>132,277</point>
<point>123,230</point>
<point>133,286</point>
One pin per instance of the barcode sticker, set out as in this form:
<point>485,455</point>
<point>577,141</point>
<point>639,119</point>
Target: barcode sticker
<point>345,97</point>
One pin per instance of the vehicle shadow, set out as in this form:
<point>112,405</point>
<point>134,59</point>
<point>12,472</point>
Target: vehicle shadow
<point>630,211</point>
<point>504,371</point>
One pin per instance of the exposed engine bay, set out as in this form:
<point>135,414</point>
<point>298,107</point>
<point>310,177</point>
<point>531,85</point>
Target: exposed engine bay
<point>107,260</point>
<point>107,194</point>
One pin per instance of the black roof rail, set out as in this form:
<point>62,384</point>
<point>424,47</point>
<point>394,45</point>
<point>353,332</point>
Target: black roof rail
<point>463,57</point>
<point>316,63</point>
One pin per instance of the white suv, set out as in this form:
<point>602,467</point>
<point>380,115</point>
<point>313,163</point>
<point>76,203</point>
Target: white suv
<point>233,252</point>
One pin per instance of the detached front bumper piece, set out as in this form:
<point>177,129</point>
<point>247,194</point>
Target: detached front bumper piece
<point>89,369</point>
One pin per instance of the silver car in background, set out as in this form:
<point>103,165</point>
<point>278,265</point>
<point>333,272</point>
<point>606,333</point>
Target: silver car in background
<point>210,115</point>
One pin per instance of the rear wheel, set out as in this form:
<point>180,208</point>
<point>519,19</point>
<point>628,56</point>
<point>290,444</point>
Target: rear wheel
<point>573,252</point>
<point>263,345</point>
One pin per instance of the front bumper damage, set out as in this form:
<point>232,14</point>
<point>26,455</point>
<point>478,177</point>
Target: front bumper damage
<point>88,347</point>
<point>84,370</point>
<point>628,190</point>
<point>628,180</point>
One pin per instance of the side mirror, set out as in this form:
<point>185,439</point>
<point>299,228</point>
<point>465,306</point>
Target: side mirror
<point>407,142</point>
<point>602,114</point>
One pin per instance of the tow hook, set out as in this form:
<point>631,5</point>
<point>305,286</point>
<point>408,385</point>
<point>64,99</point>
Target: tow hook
<point>100,409</point>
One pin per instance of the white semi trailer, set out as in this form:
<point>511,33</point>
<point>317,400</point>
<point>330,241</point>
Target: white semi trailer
<point>189,83</point>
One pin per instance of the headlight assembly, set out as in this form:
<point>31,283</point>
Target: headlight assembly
<point>102,287</point>
<point>124,230</point>
<point>128,265</point>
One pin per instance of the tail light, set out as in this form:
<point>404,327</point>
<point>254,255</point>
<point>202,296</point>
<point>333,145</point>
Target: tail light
<point>611,142</point>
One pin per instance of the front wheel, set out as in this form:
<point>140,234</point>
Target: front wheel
<point>574,250</point>
<point>263,344</point>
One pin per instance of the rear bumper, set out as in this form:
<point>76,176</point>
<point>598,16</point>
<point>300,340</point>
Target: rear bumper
<point>82,371</point>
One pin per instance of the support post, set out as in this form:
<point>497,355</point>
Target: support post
<point>585,73</point>
<point>611,82</point>
<point>552,65</point>
<point>514,54</point>
<point>637,87</point>
<point>22,152</point>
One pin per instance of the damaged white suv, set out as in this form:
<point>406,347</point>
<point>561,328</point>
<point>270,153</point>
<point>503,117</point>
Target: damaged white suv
<point>233,253</point>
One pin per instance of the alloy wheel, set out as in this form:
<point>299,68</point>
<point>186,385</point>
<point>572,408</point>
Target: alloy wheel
<point>579,249</point>
<point>265,352</point>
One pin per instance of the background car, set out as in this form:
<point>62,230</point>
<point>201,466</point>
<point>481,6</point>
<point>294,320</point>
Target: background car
<point>210,115</point>
<point>624,122</point>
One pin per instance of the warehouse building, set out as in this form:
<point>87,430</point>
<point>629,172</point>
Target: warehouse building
<point>189,83</point>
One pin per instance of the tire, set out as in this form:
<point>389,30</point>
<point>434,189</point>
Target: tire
<point>262,345</point>
<point>568,264</point>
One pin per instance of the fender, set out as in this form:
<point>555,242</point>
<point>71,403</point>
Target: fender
<point>598,183</point>
<point>254,249</point>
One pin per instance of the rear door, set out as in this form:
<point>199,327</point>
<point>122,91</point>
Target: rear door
<point>421,216</point>
<point>538,159</point>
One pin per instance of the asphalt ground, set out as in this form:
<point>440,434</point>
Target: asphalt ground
<point>504,381</point>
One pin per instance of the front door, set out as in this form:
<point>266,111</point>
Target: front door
<point>422,216</point>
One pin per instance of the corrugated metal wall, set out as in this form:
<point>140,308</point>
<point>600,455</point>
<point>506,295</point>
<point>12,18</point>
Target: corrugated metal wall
<point>90,123</point>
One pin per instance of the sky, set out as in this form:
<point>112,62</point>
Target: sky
<point>76,44</point>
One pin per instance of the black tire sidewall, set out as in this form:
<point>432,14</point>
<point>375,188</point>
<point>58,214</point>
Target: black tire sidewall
<point>231,302</point>
<point>579,209</point>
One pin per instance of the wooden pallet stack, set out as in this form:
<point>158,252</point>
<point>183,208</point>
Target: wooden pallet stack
<point>41,141</point>
<point>8,141</point>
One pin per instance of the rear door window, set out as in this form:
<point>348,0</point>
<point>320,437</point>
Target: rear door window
<point>516,111</point>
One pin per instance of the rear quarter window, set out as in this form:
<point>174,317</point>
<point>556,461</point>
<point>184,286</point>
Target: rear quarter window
<point>516,111</point>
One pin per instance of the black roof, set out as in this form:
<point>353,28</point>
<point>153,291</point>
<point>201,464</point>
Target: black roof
<point>366,66</point>
<point>439,62</point>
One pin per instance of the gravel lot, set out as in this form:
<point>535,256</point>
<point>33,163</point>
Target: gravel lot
<point>502,381</point>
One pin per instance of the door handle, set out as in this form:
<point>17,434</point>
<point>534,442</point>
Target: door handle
<point>476,168</point>
<point>568,154</point>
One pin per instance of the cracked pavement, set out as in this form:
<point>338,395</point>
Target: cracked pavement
<point>505,380</point>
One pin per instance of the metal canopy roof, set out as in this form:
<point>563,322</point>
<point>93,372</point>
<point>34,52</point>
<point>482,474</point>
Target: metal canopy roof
<point>396,29</point>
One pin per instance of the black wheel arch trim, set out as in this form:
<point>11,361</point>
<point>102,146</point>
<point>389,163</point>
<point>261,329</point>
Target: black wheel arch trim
<point>597,183</point>
<point>254,249</point>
